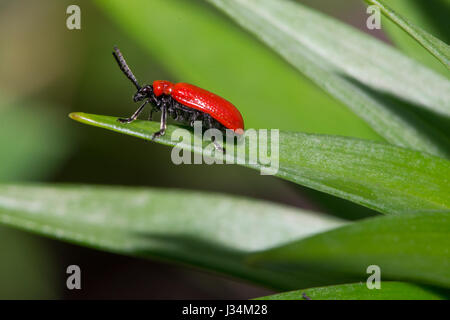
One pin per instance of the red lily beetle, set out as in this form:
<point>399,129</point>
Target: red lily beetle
<point>183,102</point>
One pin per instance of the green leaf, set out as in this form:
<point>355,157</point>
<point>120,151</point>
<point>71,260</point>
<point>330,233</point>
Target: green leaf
<point>360,71</point>
<point>389,290</point>
<point>201,46</point>
<point>406,248</point>
<point>430,15</point>
<point>202,229</point>
<point>377,175</point>
<point>435,46</point>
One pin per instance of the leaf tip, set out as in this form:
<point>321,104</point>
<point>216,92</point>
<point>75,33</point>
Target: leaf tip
<point>77,116</point>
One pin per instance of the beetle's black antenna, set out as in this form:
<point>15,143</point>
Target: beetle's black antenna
<point>124,67</point>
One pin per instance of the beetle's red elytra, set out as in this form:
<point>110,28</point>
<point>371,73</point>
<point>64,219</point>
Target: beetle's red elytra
<point>200,99</point>
<point>183,102</point>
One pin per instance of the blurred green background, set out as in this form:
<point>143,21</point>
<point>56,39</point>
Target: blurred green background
<point>47,71</point>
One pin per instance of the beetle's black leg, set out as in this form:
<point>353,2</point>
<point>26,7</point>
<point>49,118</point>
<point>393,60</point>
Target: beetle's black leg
<point>213,139</point>
<point>150,115</point>
<point>162,129</point>
<point>155,104</point>
<point>305,296</point>
<point>217,145</point>
<point>134,116</point>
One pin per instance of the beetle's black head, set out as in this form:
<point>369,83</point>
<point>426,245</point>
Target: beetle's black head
<point>144,92</point>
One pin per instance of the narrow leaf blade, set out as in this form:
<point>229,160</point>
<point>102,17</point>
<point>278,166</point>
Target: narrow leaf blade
<point>435,46</point>
<point>209,231</point>
<point>390,290</point>
<point>377,175</point>
<point>406,248</point>
<point>359,71</point>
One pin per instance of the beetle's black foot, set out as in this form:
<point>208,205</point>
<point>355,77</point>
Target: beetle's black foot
<point>158,134</point>
<point>125,120</point>
<point>219,147</point>
<point>305,296</point>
